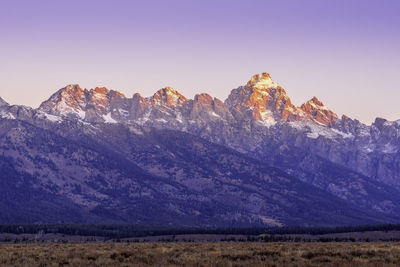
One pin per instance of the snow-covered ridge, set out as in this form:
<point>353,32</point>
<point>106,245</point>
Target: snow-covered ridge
<point>260,99</point>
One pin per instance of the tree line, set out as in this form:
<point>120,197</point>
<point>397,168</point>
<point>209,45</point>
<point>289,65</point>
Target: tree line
<point>126,230</point>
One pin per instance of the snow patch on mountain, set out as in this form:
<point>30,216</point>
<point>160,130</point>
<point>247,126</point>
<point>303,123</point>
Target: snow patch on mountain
<point>162,120</point>
<point>267,119</point>
<point>179,117</point>
<point>314,131</point>
<point>123,112</point>
<point>266,123</point>
<point>144,118</point>
<point>63,109</point>
<point>212,113</point>
<point>7,115</point>
<point>344,135</point>
<point>108,119</point>
<point>53,118</point>
<point>81,114</point>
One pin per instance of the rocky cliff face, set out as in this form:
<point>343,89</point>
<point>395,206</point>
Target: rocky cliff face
<point>263,100</point>
<point>91,105</point>
<point>316,110</point>
<point>167,97</point>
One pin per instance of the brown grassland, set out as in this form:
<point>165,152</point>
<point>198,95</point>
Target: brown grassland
<point>202,254</point>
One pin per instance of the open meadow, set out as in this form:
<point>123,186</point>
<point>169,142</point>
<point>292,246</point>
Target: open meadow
<point>202,254</point>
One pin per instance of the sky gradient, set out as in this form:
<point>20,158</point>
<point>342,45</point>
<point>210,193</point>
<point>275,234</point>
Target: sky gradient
<point>344,52</point>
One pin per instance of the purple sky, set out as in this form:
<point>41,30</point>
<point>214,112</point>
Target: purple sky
<point>347,53</point>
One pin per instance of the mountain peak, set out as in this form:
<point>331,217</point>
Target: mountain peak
<point>168,91</point>
<point>319,113</point>
<point>70,88</point>
<point>316,101</point>
<point>264,99</point>
<point>167,96</point>
<point>72,100</point>
<point>101,90</point>
<point>261,81</point>
<point>2,102</point>
<point>67,100</point>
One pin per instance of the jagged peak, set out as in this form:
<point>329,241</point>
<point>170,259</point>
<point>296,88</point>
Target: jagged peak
<point>72,99</point>
<point>203,97</point>
<point>261,81</point>
<point>67,100</point>
<point>379,122</point>
<point>113,93</point>
<point>318,112</point>
<point>168,96</point>
<point>3,102</point>
<point>103,91</point>
<point>315,104</point>
<point>316,101</point>
<point>346,118</point>
<point>264,99</point>
<point>71,88</point>
<point>100,90</point>
<point>71,91</point>
<point>168,91</point>
<point>137,96</point>
<point>74,90</point>
<point>207,99</point>
<point>258,77</point>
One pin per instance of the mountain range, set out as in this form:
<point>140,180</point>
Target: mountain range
<point>255,159</point>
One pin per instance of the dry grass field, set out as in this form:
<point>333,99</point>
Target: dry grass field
<point>201,254</point>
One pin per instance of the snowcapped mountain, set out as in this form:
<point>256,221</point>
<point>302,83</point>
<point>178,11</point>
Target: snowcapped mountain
<point>342,157</point>
<point>260,99</point>
<point>259,110</point>
<point>264,100</point>
<point>91,105</point>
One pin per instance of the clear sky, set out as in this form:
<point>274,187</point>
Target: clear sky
<point>346,52</point>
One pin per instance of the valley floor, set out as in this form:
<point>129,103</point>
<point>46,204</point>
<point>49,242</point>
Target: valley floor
<point>202,254</point>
